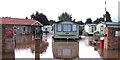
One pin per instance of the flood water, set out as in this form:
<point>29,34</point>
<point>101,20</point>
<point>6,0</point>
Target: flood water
<point>22,46</point>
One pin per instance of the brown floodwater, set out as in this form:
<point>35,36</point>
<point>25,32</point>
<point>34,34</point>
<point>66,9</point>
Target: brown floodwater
<point>23,46</point>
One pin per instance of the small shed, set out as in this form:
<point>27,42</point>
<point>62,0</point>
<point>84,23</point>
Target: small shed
<point>112,36</point>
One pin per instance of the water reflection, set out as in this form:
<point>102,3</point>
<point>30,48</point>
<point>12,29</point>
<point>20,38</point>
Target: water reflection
<point>23,41</point>
<point>23,46</point>
<point>88,52</point>
<point>48,53</point>
<point>85,50</point>
<point>110,53</point>
<point>8,47</point>
<point>104,53</point>
<point>20,46</point>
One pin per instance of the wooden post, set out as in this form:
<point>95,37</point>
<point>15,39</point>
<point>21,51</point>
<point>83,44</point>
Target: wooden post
<point>37,49</point>
<point>38,41</point>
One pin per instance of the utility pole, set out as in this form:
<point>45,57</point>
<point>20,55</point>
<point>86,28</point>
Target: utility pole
<point>105,14</point>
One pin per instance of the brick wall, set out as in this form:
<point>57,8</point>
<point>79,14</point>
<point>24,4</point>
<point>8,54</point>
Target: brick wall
<point>106,39</point>
<point>111,41</point>
<point>7,42</point>
<point>0,41</point>
<point>20,30</point>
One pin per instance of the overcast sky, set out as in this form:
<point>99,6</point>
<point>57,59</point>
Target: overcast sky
<point>80,9</point>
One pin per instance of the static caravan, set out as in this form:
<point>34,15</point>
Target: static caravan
<point>66,30</point>
<point>90,28</point>
<point>100,29</point>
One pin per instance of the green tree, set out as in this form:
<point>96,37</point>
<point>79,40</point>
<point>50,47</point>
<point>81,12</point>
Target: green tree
<point>26,17</point>
<point>108,17</point>
<point>51,22</point>
<point>65,16</point>
<point>80,22</point>
<point>40,17</point>
<point>88,21</point>
<point>98,20</point>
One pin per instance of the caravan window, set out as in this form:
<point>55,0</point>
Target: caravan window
<point>92,29</point>
<point>74,27</point>
<point>102,28</point>
<point>66,27</point>
<point>59,27</point>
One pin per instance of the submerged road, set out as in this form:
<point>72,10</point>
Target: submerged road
<point>85,50</point>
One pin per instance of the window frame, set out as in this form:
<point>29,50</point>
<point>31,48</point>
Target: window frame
<point>67,26</point>
<point>58,28</point>
<point>72,27</point>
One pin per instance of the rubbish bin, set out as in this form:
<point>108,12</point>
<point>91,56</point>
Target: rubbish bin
<point>101,42</point>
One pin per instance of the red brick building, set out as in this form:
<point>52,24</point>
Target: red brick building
<point>12,27</point>
<point>112,36</point>
<point>9,27</point>
<point>19,26</point>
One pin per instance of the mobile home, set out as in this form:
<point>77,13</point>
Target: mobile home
<point>100,29</point>
<point>90,28</point>
<point>66,30</point>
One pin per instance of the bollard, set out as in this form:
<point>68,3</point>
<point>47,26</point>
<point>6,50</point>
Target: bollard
<point>101,42</point>
<point>101,46</point>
